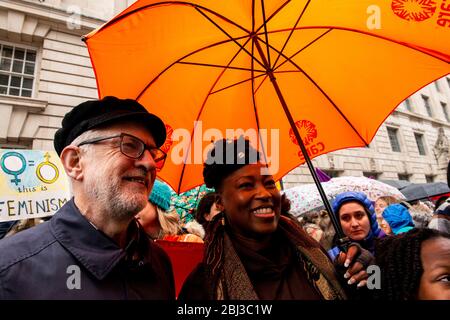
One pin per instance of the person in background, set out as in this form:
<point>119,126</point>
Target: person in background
<point>440,201</point>
<point>420,212</point>
<point>441,218</point>
<point>396,219</point>
<point>309,223</point>
<point>21,225</point>
<point>92,248</point>
<point>253,250</point>
<point>207,208</point>
<point>381,203</point>
<point>356,216</point>
<point>162,224</point>
<point>414,266</point>
<point>5,227</point>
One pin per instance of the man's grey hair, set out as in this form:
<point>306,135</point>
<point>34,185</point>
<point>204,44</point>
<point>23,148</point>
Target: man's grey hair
<point>90,134</point>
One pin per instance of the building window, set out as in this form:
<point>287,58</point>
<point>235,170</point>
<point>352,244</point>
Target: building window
<point>444,109</point>
<point>437,85</point>
<point>371,175</point>
<point>17,66</point>
<point>420,144</point>
<point>429,178</point>
<point>403,176</point>
<point>426,101</point>
<point>393,138</point>
<point>408,104</point>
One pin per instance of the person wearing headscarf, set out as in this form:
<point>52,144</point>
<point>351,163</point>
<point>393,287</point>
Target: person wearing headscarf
<point>357,217</point>
<point>252,250</point>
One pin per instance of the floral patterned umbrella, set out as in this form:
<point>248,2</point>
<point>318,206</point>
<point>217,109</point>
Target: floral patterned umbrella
<point>306,198</point>
<point>186,202</point>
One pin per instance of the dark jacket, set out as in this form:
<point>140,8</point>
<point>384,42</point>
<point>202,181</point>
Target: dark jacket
<point>306,268</point>
<point>67,258</point>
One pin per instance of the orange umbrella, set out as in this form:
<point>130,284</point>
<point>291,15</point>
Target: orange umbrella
<point>328,71</point>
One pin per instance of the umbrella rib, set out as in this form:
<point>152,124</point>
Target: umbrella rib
<point>438,55</point>
<point>253,19</point>
<point>323,92</point>
<point>265,31</point>
<point>229,36</point>
<point>201,110</point>
<point>189,4</point>
<point>217,66</point>
<point>236,84</point>
<point>255,109</point>
<point>292,31</point>
<point>266,76</point>
<point>182,58</point>
<point>306,46</point>
<point>273,15</point>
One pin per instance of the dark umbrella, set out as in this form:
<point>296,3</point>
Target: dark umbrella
<point>417,191</point>
<point>323,177</point>
<point>399,184</point>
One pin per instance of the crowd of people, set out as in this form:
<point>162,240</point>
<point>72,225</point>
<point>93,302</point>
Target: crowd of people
<point>102,243</point>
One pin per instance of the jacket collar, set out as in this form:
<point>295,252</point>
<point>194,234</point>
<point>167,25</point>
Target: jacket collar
<point>92,248</point>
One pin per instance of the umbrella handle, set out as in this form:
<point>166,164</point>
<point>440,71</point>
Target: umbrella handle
<point>343,243</point>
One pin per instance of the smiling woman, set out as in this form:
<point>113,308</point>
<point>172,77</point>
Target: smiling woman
<point>252,250</point>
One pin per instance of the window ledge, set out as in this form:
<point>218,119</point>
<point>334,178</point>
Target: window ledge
<point>28,103</point>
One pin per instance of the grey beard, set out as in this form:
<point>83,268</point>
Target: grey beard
<point>117,205</point>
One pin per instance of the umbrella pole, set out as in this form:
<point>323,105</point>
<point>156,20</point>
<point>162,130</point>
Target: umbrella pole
<point>337,227</point>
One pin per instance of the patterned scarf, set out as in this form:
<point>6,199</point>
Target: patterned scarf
<point>226,271</point>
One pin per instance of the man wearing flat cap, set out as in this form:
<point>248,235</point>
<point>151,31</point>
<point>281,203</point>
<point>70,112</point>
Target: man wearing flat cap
<point>92,248</point>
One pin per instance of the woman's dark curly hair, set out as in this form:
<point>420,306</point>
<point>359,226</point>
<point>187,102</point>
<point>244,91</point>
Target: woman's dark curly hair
<point>401,266</point>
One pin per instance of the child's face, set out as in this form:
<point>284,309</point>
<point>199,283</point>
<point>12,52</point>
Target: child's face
<point>435,281</point>
<point>380,204</point>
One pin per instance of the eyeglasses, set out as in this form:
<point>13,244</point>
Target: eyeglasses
<point>134,148</point>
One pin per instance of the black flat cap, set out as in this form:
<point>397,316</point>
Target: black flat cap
<point>96,113</point>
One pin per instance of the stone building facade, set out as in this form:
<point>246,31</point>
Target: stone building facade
<point>45,70</point>
<point>45,67</point>
<point>412,144</point>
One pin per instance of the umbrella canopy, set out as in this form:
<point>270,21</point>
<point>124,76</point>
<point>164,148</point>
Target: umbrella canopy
<point>399,184</point>
<point>323,70</point>
<point>417,191</point>
<point>284,66</point>
<point>305,198</point>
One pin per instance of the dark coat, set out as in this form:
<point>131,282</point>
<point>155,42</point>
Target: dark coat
<point>67,258</point>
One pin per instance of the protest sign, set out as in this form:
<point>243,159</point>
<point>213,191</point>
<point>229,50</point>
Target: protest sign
<point>33,184</point>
